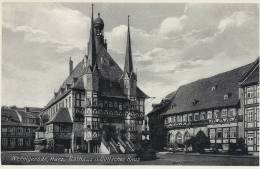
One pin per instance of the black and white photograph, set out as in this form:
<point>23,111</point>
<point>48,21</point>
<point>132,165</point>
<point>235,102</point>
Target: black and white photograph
<point>130,83</point>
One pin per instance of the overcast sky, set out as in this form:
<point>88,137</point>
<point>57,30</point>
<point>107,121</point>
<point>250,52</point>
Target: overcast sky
<point>173,44</point>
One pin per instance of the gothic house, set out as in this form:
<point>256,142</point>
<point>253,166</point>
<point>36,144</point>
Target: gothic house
<point>99,107</point>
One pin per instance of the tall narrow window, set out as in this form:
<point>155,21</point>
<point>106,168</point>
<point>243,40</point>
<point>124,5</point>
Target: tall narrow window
<point>233,132</point>
<point>179,138</point>
<point>216,114</point>
<point>212,134</point>
<point>185,118</point>
<point>219,133</point>
<point>249,95</point>
<point>225,133</point>
<point>196,116</point>
<point>224,113</point>
<point>190,117</point>
<point>209,115</point>
<point>202,116</point>
<point>249,115</point>
<point>12,142</point>
<point>250,139</point>
<point>20,142</point>
<point>4,142</point>
<point>69,102</point>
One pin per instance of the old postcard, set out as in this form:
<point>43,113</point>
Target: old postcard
<point>91,83</point>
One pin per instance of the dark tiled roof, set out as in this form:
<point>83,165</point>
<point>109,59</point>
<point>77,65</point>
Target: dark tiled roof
<point>160,107</point>
<point>13,117</point>
<point>199,95</point>
<point>26,114</point>
<point>62,116</point>
<point>76,73</point>
<point>10,114</point>
<point>110,72</point>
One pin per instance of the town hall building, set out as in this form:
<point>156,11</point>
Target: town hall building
<point>98,108</point>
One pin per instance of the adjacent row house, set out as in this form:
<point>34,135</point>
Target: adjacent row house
<point>18,127</point>
<point>249,95</point>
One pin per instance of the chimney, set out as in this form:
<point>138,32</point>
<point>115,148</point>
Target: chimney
<point>75,79</point>
<point>26,109</point>
<point>55,94</point>
<point>68,86</point>
<point>70,66</point>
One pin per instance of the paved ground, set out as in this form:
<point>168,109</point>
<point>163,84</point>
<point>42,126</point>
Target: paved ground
<point>205,159</point>
<point>34,158</point>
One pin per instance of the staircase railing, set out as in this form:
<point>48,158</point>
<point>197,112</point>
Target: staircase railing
<point>115,145</point>
<point>127,147</point>
<point>129,142</point>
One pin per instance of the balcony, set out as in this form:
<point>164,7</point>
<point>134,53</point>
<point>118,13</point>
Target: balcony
<point>62,135</point>
<point>58,135</point>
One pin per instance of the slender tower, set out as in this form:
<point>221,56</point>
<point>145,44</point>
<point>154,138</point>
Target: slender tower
<point>91,85</point>
<point>129,77</point>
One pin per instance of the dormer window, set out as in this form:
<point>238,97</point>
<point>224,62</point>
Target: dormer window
<point>173,105</point>
<point>62,90</point>
<point>75,79</point>
<point>226,96</point>
<point>195,102</point>
<point>68,86</point>
<point>213,88</point>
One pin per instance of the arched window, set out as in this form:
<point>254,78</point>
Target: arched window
<point>170,138</point>
<point>186,136</point>
<point>179,138</point>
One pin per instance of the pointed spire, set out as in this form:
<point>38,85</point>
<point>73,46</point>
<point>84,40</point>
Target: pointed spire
<point>128,57</point>
<point>92,44</point>
<point>70,66</point>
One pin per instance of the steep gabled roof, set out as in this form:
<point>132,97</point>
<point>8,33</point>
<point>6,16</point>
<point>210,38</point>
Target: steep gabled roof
<point>62,116</point>
<point>200,95</point>
<point>110,72</point>
<point>252,76</point>
<point>77,72</point>
<point>162,106</point>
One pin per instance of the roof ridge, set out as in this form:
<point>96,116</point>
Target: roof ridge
<point>218,74</point>
<point>82,60</point>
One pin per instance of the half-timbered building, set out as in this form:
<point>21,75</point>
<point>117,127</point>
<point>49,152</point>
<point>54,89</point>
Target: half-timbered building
<point>103,105</point>
<point>249,95</point>
<point>213,106</point>
<point>156,122</point>
<point>18,127</point>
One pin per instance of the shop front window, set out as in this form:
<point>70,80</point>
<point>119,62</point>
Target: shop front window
<point>179,138</point>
